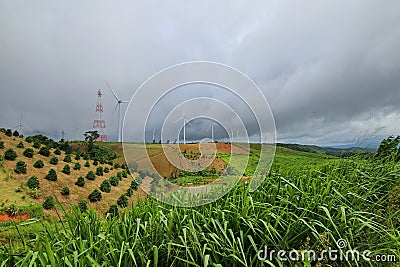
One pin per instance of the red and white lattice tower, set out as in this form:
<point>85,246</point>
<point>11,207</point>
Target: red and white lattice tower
<point>99,123</point>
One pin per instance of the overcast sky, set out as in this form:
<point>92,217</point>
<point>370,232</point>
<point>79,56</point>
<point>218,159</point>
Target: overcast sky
<point>329,69</point>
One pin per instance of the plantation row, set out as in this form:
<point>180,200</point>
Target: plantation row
<point>33,183</point>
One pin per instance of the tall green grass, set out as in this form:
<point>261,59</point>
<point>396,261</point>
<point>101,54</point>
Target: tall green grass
<point>298,209</point>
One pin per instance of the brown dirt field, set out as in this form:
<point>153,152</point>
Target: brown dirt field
<point>4,217</point>
<point>165,168</point>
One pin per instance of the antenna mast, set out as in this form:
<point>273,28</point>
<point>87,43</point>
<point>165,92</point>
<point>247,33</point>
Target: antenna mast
<point>99,123</point>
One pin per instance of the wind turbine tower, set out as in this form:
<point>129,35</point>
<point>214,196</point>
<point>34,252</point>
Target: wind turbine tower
<point>119,102</point>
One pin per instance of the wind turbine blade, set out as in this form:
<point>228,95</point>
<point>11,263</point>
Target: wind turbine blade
<point>125,101</point>
<point>112,91</point>
<point>116,106</point>
<point>178,120</point>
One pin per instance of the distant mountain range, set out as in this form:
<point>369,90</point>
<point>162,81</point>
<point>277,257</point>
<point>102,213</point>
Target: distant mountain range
<point>333,151</point>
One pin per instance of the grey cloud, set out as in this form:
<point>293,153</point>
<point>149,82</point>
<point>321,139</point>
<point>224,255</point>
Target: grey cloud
<point>330,70</point>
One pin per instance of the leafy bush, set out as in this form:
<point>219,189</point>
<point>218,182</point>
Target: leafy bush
<point>124,174</point>
<point>52,175</point>
<point>38,164</point>
<point>67,158</point>
<point>28,152</point>
<point>77,157</point>
<point>65,191</point>
<point>123,201</point>
<point>134,185</point>
<point>77,166</point>
<point>90,175</point>
<point>95,196</point>
<point>1,144</point>
<point>57,151</point>
<point>10,154</point>
<point>114,181</point>
<point>86,156</point>
<point>105,186</point>
<point>119,175</point>
<point>44,151</point>
<point>129,192</point>
<point>95,163</point>
<point>117,165</point>
<point>20,145</point>
<point>9,132</point>
<point>33,183</point>
<point>82,205</point>
<point>99,171</point>
<point>80,182</point>
<point>36,144</point>
<point>87,164</point>
<point>15,133</point>
<point>54,160</point>
<point>112,211</point>
<point>48,203</point>
<point>106,170</point>
<point>20,167</point>
<point>66,169</point>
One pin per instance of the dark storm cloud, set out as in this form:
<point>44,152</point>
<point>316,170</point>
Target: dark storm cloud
<point>330,70</point>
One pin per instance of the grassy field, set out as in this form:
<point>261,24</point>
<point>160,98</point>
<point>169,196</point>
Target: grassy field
<point>304,207</point>
<point>308,202</point>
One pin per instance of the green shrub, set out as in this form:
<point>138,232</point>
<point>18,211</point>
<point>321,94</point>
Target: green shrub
<point>38,164</point>
<point>77,157</point>
<point>48,203</point>
<point>33,183</point>
<point>82,205</point>
<point>90,175</point>
<point>67,158</point>
<point>105,186</point>
<point>10,154</point>
<point>86,156</point>
<point>112,211</point>
<point>57,151</point>
<point>95,196</point>
<point>77,166</point>
<point>44,151</point>
<point>129,192</point>
<point>1,144</point>
<point>66,169</point>
<point>9,132</point>
<point>95,163</point>
<point>28,152</point>
<point>65,191</point>
<point>114,181</point>
<point>134,185</point>
<point>20,167</point>
<point>36,144</point>
<point>106,170</point>
<point>15,133</point>
<point>80,182</point>
<point>54,160</point>
<point>99,171</point>
<point>87,164</point>
<point>52,175</point>
<point>20,145</point>
<point>117,165</point>
<point>123,201</point>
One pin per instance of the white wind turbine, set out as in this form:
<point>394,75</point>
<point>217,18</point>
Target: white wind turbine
<point>185,121</point>
<point>119,102</point>
<point>153,133</point>
<point>212,130</point>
